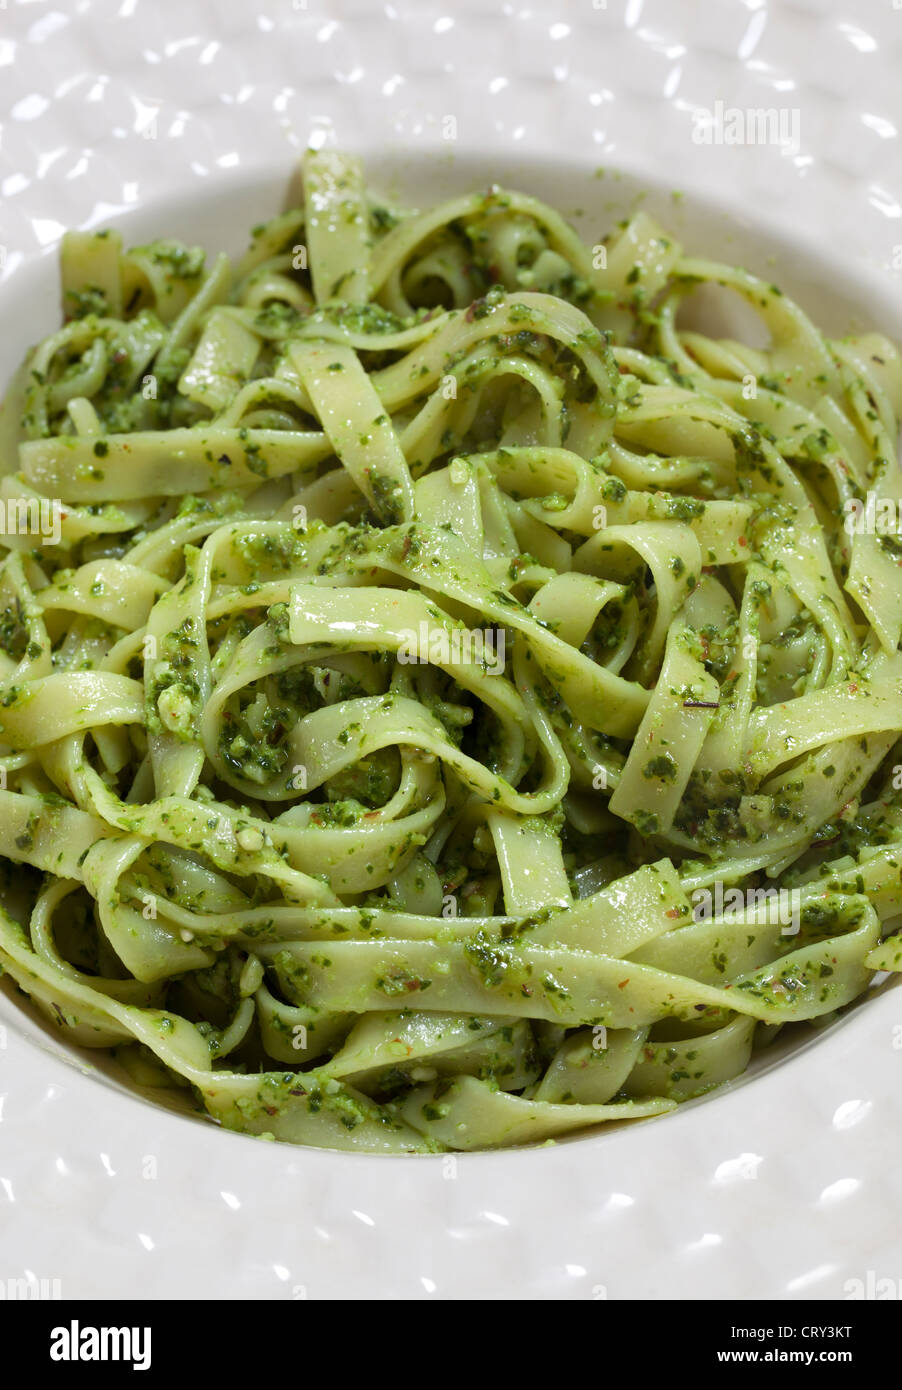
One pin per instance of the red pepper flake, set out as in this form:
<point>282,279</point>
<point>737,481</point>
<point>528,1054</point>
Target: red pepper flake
<point>742,540</point>
<point>673,912</point>
<point>623,984</point>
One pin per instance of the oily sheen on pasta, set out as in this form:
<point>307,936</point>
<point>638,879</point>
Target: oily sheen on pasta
<point>446,658</point>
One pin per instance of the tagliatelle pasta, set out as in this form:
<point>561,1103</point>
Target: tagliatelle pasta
<point>457,702</point>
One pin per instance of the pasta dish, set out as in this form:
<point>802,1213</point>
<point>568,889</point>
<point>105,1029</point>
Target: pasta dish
<point>448,699</point>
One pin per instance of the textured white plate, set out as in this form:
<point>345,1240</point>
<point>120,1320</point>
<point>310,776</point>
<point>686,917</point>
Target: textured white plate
<point>186,119</point>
